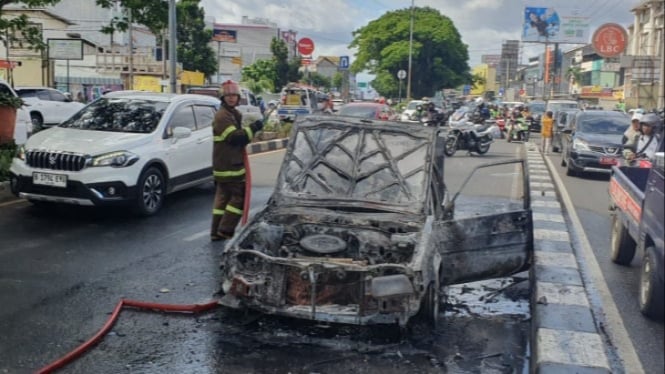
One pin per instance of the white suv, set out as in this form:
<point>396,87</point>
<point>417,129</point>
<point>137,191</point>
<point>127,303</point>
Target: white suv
<point>47,106</point>
<point>127,146</point>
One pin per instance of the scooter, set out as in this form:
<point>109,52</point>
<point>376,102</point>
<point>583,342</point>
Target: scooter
<point>518,131</point>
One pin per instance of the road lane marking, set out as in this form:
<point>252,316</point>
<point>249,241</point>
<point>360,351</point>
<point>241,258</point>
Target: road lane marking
<point>616,331</point>
<point>196,236</point>
<point>12,202</point>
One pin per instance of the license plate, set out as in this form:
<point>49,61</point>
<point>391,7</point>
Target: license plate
<point>48,179</point>
<point>608,160</point>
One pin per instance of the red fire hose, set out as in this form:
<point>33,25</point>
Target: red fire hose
<point>71,356</point>
<point>172,308</point>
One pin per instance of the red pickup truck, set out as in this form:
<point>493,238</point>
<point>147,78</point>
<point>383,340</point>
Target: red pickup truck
<point>637,207</point>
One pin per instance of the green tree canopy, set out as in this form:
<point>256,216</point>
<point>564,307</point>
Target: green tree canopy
<point>260,76</point>
<point>18,29</point>
<point>439,58</point>
<point>193,38</point>
<point>192,48</point>
<point>285,68</point>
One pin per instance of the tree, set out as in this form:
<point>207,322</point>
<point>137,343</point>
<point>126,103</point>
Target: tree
<point>192,37</point>
<point>260,76</point>
<point>337,81</point>
<point>318,80</point>
<point>439,58</point>
<point>285,68</point>
<point>18,29</point>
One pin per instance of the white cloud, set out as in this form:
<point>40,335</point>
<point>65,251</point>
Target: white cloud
<point>482,24</point>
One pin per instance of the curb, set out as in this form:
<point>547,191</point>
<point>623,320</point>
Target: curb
<point>252,148</point>
<point>565,337</point>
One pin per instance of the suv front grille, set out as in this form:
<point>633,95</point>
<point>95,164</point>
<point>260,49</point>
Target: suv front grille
<point>55,160</point>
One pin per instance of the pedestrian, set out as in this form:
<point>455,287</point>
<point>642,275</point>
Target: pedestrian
<point>80,98</point>
<point>228,157</point>
<point>546,125</point>
<point>647,143</point>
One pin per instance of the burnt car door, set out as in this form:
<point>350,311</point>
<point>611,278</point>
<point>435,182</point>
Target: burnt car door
<point>496,243</point>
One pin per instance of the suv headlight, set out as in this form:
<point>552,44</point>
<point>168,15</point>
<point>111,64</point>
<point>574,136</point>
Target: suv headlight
<point>580,145</point>
<point>115,159</point>
<point>20,152</point>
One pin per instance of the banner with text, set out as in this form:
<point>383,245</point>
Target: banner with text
<point>546,25</point>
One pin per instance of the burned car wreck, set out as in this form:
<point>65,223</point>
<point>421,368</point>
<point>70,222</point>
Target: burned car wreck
<point>361,230</point>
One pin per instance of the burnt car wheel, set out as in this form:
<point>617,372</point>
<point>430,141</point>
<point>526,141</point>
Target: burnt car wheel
<point>428,314</point>
<point>651,288</point>
<point>623,246</point>
<point>151,191</point>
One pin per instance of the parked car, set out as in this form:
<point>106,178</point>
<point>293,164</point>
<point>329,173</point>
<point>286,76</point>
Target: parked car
<point>368,110</point>
<point>125,147</point>
<point>591,141</point>
<point>637,204</point>
<point>23,125</point>
<point>47,106</point>
<point>360,229</point>
<point>247,105</point>
<point>296,101</point>
<point>560,123</point>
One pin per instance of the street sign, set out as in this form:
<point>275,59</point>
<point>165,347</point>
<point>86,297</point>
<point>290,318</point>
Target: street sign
<point>362,84</point>
<point>343,62</point>
<point>5,64</point>
<point>401,74</point>
<point>305,46</point>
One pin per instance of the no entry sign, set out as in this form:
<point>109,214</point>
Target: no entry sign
<point>305,46</point>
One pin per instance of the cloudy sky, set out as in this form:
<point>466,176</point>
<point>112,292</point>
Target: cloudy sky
<point>483,24</point>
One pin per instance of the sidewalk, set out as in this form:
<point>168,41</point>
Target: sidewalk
<point>565,337</point>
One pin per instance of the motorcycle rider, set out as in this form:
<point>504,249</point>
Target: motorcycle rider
<point>228,155</point>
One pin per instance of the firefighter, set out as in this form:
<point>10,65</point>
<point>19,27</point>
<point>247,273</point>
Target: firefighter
<point>228,157</point>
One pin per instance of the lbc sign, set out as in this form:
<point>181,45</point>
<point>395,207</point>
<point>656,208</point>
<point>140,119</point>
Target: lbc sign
<point>343,62</point>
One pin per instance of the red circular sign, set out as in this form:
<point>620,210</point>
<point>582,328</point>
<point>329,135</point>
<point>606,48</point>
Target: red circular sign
<point>609,40</point>
<point>305,46</point>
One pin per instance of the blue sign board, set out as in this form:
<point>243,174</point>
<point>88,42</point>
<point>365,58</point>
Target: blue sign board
<point>343,62</point>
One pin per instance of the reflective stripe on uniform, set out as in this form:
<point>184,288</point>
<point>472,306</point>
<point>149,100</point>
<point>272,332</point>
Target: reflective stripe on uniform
<point>226,133</point>
<point>233,209</point>
<point>231,173</point>
<point>218,212</point>
<point>250,133</point>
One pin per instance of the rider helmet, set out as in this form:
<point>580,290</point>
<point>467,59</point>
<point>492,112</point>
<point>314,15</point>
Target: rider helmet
<point>651,119</point>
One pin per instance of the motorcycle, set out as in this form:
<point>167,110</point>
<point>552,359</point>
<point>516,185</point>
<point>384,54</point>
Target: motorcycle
<point>518,130</point>
<point>468,136</point>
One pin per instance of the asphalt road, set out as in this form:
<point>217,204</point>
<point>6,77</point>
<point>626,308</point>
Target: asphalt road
<point>589,194</point>
<point>64,269</point>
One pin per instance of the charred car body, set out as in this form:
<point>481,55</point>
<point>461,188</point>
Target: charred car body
<point>360,229</point>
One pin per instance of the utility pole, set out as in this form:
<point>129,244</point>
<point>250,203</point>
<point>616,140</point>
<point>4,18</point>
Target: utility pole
<point>131,55</point>
<point>172,46</point>
<point>408,82</point>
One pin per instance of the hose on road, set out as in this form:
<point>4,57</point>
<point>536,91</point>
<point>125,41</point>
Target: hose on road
<point>171,308</point>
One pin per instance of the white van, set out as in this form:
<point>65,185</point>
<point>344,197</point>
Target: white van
<point>248,105</point>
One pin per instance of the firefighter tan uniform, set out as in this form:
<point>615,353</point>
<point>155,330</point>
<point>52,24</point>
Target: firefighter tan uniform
<point>230,139</point>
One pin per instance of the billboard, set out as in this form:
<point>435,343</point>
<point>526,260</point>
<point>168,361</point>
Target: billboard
<point>547,25</point>
<point>224,35</point>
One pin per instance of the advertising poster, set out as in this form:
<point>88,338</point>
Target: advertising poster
<point>223,35</point>
<point>547,25</point>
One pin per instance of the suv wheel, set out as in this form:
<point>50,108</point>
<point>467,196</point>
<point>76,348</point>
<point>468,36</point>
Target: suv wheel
<point>151,191</point>
<point>37,122</point>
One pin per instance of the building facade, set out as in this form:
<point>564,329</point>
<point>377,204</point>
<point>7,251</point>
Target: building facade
<point>643,63</point>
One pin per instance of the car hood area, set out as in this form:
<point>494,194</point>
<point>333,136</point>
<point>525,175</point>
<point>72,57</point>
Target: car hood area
<point>87,142</point>
<point>346,162</point>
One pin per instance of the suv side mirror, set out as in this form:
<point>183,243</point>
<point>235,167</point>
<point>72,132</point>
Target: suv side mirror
<point>181,132</point>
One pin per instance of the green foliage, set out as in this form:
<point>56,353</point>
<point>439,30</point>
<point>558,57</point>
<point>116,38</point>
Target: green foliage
<point>7,152</point>
<point>7,99</point>
<point>439,58</point>
<point>286,69</point>
<point>193,38</point>
<point>18,30</point>
<point>192,49</point>
<point>318,80</point>
<point>260,76</point>
<point>337,81</point>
